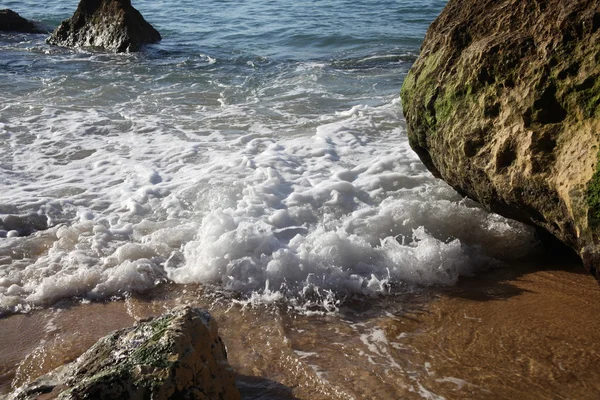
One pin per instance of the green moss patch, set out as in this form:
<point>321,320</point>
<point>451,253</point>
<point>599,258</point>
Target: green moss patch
<point>422,77</point>
<point>589,97</point>
<point>153,350</point>
<point>593,199</point>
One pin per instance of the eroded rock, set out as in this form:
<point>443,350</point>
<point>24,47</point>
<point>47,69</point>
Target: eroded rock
<point>10,21</point>
<point>112,25</point>
<point>178,355</point>
<point>504,104</point>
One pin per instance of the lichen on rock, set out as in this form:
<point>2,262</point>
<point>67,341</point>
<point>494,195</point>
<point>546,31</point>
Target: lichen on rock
<point>177,355</point>
<point>503,103</point>
<point>112,25</point>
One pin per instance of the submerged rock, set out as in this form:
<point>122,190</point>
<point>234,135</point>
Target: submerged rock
<point>22,225</point>
<point>504,104</point>
<point>112,25</point>
<point>10,21</point>
<point>178,355</point>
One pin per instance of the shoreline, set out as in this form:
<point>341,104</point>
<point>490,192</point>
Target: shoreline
<point>522,332</point>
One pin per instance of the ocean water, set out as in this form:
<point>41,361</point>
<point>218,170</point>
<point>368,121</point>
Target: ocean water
<point>259,149</point>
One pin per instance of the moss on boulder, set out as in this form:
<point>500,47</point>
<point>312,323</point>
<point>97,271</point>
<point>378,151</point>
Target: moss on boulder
<point>177,355</point>
<point>503,103</point>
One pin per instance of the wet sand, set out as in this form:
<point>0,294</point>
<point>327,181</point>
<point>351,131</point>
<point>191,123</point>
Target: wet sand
<point>529,336</point>
<point>528,332</point>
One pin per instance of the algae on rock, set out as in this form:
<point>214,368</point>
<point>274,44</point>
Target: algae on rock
<point>503,103</point>
<point>177,355</point>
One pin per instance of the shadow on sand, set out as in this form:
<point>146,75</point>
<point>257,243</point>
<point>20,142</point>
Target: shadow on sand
<point>257,388</point>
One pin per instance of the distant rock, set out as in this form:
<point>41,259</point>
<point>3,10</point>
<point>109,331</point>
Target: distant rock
<point>176,356</point>
<point>112,25</point>
<point>503,103</point>
<point>10,21</point>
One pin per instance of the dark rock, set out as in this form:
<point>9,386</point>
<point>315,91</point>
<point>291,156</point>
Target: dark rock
<point>112,25</point>
<point>176,356</point>
<point>24,225</point>
<point>10,21</point>
<point>503,103</point>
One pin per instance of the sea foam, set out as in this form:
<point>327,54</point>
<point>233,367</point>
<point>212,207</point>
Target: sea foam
<point>344,209</point>
<point>279,179</point>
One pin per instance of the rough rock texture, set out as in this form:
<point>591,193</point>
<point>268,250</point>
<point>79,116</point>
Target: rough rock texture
<point>10,21</point>
<point>112,25</point>
<point>504,104</point>
<point>178,355</point>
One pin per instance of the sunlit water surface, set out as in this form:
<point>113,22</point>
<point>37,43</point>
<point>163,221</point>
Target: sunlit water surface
<point>260,147</point>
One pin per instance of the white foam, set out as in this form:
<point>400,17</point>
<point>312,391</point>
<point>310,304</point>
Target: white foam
<point>460,383</point>
<point>239,186</point>
<point>351,230</point>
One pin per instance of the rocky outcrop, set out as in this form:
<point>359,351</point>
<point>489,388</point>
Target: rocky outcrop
<point>10,21</point>
<point>178,355</point>
<point>503,103</point>
<point>112,25</point>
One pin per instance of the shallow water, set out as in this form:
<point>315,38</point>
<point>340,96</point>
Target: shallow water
<point>510,333</point>
<point>259,146</point>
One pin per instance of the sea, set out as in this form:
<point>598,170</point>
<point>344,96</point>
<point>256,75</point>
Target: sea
<point>256,158</point>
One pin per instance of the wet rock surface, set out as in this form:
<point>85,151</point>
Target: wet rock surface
<point>10,21</point>
<point>503,103</point>
<point>178,355</point>
<point>112,25</point>
<point>22,225</point>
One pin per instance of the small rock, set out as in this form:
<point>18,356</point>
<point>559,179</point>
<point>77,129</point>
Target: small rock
<point>178,355</point>
<point>112,25</point>
<point>23,225</point>
<point>10,21</point>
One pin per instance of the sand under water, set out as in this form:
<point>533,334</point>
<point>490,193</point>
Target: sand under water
<point>530,331</point>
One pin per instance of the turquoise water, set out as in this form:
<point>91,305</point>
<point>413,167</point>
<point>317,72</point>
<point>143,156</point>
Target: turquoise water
<point>260,147</point>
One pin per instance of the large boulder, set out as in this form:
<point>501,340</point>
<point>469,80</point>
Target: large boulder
<point>112,25</point>
<point>178,355</point>
<point>503,103</point>
<point>10,21</point>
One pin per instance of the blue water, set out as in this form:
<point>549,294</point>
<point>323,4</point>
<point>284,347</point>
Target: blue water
<point>259,147</point>
<point>271,33</point>
<point>254,39</point>
<point>278,30</point>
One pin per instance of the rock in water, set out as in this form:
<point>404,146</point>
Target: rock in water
<point>10,21</point>
<point>178,355</point>
<point>503,103</point>
<point>112,25</point>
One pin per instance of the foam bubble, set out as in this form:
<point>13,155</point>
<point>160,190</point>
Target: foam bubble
<point>358,230</point>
